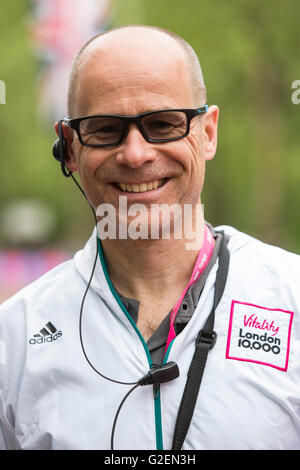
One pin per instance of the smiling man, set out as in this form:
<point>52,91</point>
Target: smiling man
<point>133,310</point>
<point>150,74</point>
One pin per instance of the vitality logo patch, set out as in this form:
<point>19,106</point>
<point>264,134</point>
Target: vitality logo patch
<point>259,334</point>
<point>48,334</point>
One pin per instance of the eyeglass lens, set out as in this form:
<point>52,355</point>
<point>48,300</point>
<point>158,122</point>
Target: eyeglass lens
<point>109,130</point>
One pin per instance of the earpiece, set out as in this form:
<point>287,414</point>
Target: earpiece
<point>59,150</point>
<point>55,150</point>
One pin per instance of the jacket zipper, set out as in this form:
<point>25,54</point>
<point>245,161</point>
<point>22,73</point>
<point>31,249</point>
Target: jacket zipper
<point>158,425</point>
<point>156,389</point>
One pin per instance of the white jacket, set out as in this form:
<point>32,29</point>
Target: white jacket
<point>50,398</point>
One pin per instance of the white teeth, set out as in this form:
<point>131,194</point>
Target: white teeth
<point>141,188</point>
<point>135,188</point>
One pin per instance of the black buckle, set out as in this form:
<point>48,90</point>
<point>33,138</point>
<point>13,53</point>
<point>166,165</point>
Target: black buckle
<point>206,339</point>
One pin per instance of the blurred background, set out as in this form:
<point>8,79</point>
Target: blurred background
<point>249,52</point>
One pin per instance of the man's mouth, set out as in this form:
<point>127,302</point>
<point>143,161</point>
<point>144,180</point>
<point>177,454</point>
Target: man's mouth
<point>141,187</point>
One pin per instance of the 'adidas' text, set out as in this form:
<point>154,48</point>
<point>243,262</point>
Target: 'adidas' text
<point>48,334</point>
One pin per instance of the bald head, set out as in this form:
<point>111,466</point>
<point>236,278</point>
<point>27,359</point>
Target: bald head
<point>140,39</point>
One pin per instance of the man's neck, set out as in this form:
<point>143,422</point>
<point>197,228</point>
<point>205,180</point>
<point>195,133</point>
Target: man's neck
<point>145,268</point>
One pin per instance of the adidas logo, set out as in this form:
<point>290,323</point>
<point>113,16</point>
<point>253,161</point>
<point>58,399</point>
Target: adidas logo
<point>48,334</point>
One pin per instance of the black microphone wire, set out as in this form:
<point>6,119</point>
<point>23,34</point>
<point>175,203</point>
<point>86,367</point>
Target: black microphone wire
<point>85,294</point>
<point>117,414</point>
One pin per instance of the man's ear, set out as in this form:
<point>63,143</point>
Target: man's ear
<point>211,132</point>
<point>68,136</point>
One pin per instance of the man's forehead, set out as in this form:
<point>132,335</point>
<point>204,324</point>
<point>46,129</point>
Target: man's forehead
<point>132,41</point>
<point>135,49</point>
<point>146,61</point>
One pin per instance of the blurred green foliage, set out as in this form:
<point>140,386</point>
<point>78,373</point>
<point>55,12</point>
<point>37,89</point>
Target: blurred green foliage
<point>249,52</point>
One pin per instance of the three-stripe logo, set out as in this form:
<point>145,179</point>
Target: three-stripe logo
<point>47,334</point>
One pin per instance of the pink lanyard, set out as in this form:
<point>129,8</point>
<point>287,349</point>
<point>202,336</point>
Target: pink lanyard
<point>202,261</point>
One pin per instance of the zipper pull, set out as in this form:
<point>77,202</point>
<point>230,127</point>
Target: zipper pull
<point>155,390</point>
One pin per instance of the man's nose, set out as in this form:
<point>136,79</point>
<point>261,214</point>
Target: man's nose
<point>135,150</point>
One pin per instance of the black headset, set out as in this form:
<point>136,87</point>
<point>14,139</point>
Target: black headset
<point>59,151</point>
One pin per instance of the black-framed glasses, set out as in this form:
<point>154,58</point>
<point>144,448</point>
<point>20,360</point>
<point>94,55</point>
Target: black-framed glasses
<point>155,126</point>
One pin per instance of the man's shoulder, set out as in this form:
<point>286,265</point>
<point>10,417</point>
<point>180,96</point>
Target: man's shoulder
<point>27,310</point>
<point>40,289</point>
<point>244,247</point>
<point>61,279</point>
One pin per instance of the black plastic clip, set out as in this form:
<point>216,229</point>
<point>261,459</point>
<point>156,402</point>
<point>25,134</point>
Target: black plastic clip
<point>206,339</point>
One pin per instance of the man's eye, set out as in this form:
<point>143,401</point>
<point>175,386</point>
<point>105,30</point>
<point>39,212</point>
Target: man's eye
<point>160,125</point>
<point>100,127</point>
<point>106,130</point>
